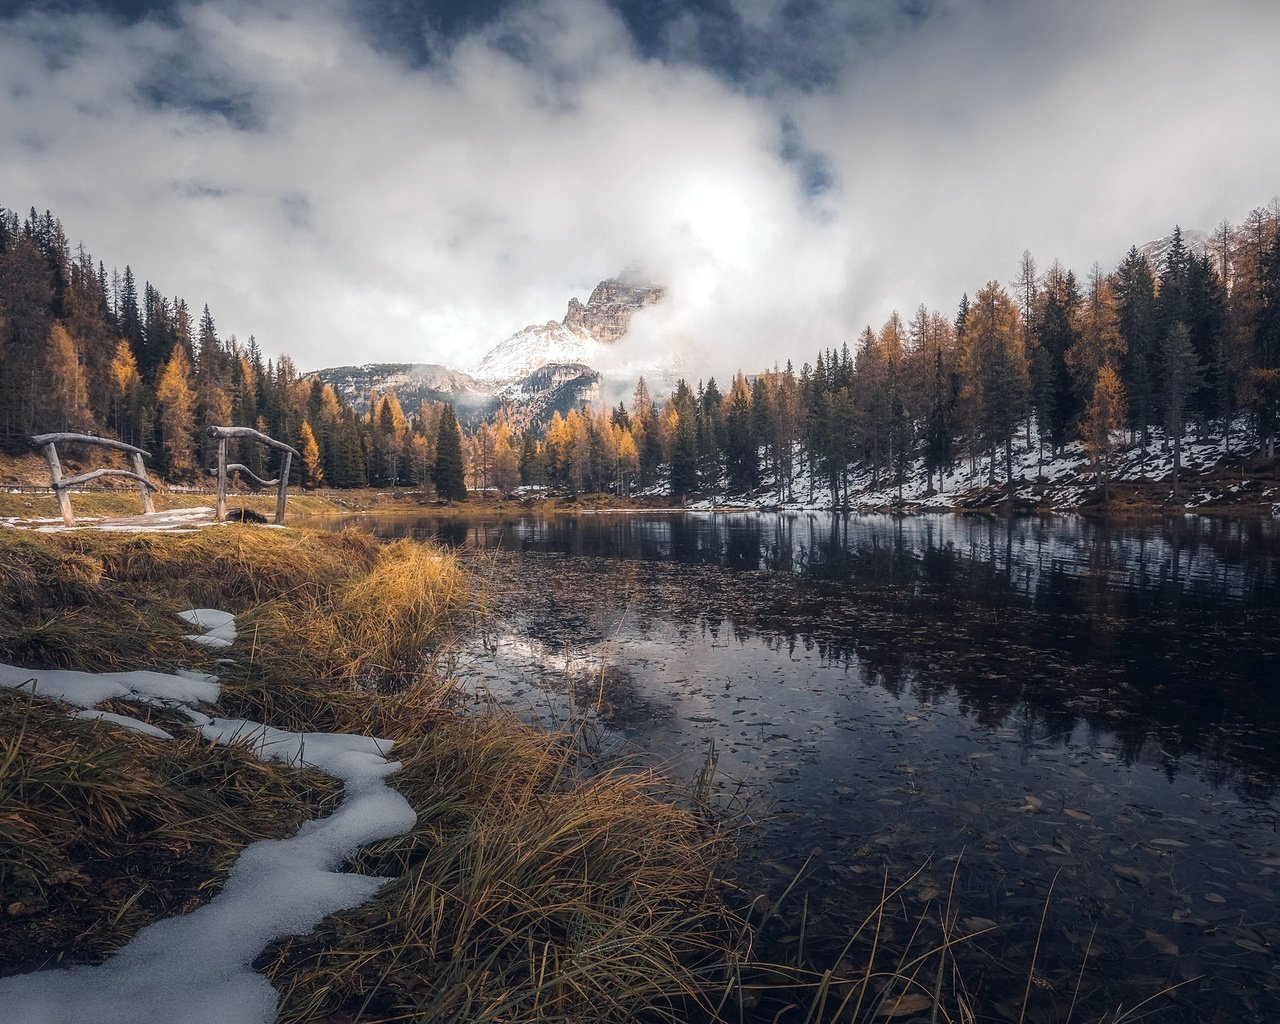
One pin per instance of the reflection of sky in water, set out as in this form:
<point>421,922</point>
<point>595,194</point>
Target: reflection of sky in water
<point>1067,699</point>
<point>881,779</point>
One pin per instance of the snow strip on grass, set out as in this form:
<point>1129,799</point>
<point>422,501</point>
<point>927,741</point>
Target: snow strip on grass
<point>145,728</point>
<point>219,627</point>
<point>196,968</point>
<point>88,689</point>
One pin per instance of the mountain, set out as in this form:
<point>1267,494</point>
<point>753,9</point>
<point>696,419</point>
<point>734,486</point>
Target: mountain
<point>580,338</point>
<point>1196,243</point>
<point>413,383</point>
<point>537,370</point>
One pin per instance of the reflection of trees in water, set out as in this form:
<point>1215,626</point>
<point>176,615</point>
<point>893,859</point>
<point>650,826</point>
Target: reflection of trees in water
<point>1167,687</point>
<point>1164,634</point>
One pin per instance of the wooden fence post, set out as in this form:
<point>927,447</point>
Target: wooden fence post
<point>55,474</point>
<point>148,506</point>
<point>284,486</point>
<point>222,480</point>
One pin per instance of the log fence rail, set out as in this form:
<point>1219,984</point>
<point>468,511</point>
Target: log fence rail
<point>281,482</point>
<point>62,485</point>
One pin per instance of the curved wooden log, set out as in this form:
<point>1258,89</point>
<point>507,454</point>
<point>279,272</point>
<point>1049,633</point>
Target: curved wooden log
<point>84,478</point>
<point>40,440</point>
<point>257,435</point>
<point>235,467</point>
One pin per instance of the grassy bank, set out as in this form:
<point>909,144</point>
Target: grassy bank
<point>530,887</point>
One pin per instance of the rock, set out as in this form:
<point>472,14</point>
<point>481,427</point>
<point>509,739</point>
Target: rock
<point>607,314</point>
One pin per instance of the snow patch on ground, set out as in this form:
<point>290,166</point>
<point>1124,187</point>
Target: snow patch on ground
<point>178,520</point>
<point>87,689</point>
<point>197,968</point>
<point>219,628</point>
<point>1065,478</point>
<point>145,728</point>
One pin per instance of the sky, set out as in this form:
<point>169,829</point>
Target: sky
<point>355,181</point>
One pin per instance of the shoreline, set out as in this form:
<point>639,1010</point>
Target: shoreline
<point>335,633</point>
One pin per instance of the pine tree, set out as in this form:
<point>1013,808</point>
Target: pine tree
<point>1135,291</point>
<point>1182,373</point>
<point>741,453</point>
<point>449,473</point>
<point>1057,402</point>
<point>684,451</point>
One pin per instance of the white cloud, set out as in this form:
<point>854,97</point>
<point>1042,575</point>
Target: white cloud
<point>345,207</point>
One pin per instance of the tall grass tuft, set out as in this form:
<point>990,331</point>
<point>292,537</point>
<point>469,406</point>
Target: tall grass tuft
<point>525,892</point>
<point>532,887</point>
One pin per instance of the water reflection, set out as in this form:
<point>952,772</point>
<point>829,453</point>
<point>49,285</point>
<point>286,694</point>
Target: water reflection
<point>1026,699</point>
<point>1158,563</point>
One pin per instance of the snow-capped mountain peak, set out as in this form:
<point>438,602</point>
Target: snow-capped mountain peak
<point>581,337</point>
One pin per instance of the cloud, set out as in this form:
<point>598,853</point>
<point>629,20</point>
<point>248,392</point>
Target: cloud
<point>1072,130</point>
<point>347,204</point>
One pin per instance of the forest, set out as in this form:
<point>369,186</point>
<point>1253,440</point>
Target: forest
<point>1192,342</point>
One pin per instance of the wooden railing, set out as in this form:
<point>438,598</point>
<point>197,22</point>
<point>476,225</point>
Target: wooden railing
<point>223,434</point>
<point>61,485</point>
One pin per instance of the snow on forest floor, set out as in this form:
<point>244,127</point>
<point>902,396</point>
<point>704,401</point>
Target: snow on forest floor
<point>196,968</point>
<point>178,520</point>
<point>1066,478</point>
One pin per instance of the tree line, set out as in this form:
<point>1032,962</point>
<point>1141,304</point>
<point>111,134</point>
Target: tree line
<point>83,349</point>
<point>1194,339</point>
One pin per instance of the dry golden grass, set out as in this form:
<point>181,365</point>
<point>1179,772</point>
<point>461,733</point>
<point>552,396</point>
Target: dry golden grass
<point>525,892</point>
<point>530,887</point>
<point>103,829</point>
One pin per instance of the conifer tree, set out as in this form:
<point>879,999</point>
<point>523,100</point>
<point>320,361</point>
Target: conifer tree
<point>997,375</point>
<point>66,405</point>
<point>450,479</point>
<point>1057,401</point>
<point>1104,415</point>
<point>1182,373</point>
<point>684,450</point>
<point>176,420</point>
<point>1135,292</point>
<point>312,470</point>
<point>741,453</point>
<point>126,395</point>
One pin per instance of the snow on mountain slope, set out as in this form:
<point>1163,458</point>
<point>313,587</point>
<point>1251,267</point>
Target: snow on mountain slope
<point>1157,251</point>
<point>583,336</point>
<point>535,347</point>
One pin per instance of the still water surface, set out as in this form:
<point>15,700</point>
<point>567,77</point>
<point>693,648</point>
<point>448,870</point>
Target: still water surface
<point>1013,705</point>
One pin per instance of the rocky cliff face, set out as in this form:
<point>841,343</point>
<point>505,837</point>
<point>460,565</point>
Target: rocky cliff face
<point>607,314</point>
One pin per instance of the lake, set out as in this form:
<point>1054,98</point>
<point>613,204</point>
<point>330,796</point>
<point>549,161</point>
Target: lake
<point>993,715</point>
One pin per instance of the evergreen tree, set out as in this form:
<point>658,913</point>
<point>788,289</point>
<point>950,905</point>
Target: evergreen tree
<point>684,452</point>
<point>1057,401</point>
<point>1135,292</point>
<point>1182,373</point>
<point>449,472</point>
<point>741,453</point>
<point>939,451</point>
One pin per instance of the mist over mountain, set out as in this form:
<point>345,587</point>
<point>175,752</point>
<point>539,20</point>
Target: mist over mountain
<point>537,370</point>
